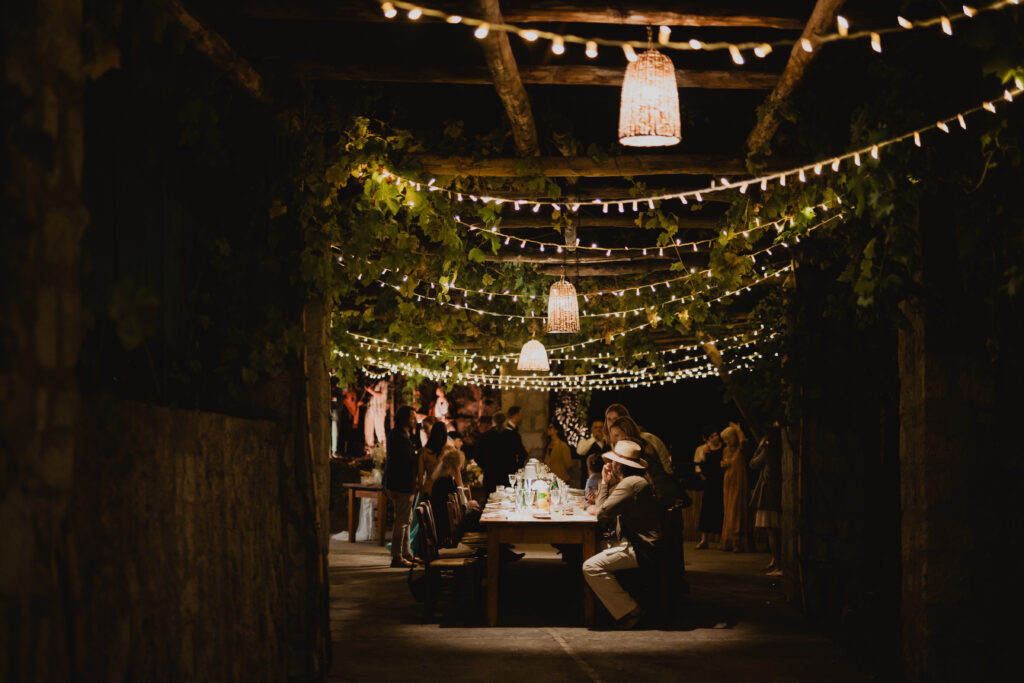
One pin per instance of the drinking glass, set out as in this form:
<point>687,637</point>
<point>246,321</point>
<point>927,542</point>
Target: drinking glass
<point>512,479</point>
<point>528,496</point>
<point>556,498</point>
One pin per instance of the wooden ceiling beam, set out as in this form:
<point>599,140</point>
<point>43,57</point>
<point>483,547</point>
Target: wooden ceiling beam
<point>556,167</point>
<point>505,73</point>
<point>217,50</point>
<point>606,269</point>
<point>537,11</point>
<point>531,220</point>
<point>822,18</point>
<point>567,74</point>
<point>571,259</point>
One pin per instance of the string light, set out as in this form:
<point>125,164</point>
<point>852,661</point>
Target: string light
<point>664,36</point>
<point>764,181</point>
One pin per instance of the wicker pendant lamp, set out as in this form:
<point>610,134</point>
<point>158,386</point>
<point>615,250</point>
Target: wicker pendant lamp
<point>563,308</point>
<point>649,108</point>
<point>533,357</point>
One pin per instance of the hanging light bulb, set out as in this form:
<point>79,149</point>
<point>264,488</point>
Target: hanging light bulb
<point>563,308</point>
<point>533,357</point>
<point>649,107</point>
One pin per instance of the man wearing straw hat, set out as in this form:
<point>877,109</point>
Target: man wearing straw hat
<point>625,497</point>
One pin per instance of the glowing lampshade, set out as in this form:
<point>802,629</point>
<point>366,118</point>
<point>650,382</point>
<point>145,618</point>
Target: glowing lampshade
<point>533,357</point>
<point>649,108</point>
<point>563,309</point>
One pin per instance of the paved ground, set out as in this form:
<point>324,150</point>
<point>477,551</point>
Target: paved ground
<point>734,626</point>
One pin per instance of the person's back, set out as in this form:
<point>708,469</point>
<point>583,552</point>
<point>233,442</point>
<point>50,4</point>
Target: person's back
<point>439,505</point>
<point>401,463</point>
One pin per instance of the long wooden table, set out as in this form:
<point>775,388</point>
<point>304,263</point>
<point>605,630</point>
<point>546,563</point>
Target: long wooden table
<point>580,529</point>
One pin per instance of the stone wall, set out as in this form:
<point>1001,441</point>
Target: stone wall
<point>179,545</point>
<point>41,219</point>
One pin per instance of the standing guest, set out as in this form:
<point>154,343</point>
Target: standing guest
<point>375,412</point>
<point>556,456</point>
<point>439,408</point>
<point>425,428</point>
<point>617,410</point>
<point>626,499</point>
<point>594,464</point>
<point>626,428</point>
<point>514,416</point>
<point>400,483</point>
<point>595,444</point>
<point>708,460</point>
<point>429,455</point>
<point>498,450</point>
<point>336,403</point>
<point>734,490</point>
<point>767,498</point>
<point>350,420</point>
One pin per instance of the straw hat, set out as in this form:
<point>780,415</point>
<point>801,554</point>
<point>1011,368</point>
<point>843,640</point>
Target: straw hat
<point>626,453</point>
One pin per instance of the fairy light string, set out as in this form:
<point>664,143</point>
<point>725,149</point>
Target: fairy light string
<point>765,182</point>
<point>760,49</point>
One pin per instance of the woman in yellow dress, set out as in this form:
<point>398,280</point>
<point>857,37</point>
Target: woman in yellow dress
<point>557,456</point>
<point>735,491</point>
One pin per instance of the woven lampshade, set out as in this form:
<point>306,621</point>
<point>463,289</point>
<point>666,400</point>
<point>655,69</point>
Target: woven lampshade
<point>533,357</point>
<point>649,108</point>
<point>563,309</point>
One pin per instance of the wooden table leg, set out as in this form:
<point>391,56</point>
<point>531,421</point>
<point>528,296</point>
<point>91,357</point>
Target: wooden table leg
<point>493,560</point>
<point>351,515</point>
<point>382,515</point>
<point>589,550</point>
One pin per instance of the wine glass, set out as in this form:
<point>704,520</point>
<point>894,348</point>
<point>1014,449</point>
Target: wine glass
<point>528,497</point>
<point>512,479</point>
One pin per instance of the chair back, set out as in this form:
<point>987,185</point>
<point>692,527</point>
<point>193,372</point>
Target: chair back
<point>428,531</point>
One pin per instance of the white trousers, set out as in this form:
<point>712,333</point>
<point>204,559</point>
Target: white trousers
<point>334,436</point>
<point>374,426</point>
<point>599,574</point>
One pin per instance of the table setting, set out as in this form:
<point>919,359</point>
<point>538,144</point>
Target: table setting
<point>535,493</point>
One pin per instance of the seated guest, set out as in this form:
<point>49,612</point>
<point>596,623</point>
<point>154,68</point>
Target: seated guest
<point>595,444</point>
<point>594,464</point>
<point>447,478</point>
<point>625,499</point>
<point>665,488</point>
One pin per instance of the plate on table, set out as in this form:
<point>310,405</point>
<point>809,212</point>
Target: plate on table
<point>542,515</point>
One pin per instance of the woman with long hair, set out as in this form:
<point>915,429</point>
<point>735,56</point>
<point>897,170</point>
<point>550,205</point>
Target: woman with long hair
<point>735,490</point>
<point>430,454</point>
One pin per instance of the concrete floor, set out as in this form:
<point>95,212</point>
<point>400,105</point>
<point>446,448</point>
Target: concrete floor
<point>734,626</point>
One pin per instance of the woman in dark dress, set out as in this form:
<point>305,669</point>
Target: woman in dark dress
<point>447,480</point>
<point>708,459</point>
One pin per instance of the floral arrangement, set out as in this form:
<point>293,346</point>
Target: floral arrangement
<point>472,475</point>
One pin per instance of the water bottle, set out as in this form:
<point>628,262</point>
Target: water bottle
<point>554,494</point>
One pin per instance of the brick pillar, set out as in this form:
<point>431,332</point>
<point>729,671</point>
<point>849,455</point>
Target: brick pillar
<point>42,87</point>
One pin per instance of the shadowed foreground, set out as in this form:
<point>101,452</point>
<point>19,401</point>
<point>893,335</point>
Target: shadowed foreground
<point>735,626</point>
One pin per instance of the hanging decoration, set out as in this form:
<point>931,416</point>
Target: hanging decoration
<point>760,49</point>
<point>563,309</point>
<point>649,105</point>
<point>533,357</point>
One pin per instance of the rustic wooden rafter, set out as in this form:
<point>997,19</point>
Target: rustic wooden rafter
<point>531,220</point>
<point>560,167</point>
<point>822,17</point>
<point>505,72</point>
<point>565,74</point>
<point>674,14</point>
<point>554,258</point>
<point>211,44</point>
